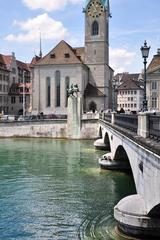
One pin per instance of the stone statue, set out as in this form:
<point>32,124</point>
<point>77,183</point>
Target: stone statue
<point>72,90</point>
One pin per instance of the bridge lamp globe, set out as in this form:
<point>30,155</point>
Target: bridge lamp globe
<point>145,53</point>
<point>145,50</point>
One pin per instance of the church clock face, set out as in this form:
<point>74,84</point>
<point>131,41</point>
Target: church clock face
<point>95,9</point>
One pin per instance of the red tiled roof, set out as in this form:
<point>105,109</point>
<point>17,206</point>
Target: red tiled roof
<point>80,53</point>
<point>35,59</point>
<point>2,63</point>
<point>7,59</point>
<point>57,55</point>
<point>22,65</point>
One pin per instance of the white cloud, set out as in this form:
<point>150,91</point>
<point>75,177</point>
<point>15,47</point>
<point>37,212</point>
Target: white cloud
<point>49,5</point>
<point>121,59</point>
<point>30,29</point>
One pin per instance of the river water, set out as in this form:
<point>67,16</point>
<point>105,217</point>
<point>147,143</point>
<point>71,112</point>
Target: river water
<point>55,190</point>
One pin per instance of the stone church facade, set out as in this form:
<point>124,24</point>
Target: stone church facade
<point>87,66</point>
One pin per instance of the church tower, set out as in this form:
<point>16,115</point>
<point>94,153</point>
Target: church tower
<point>97,15</point>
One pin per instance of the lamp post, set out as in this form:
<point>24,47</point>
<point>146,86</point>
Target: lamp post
<point>23,93</point>
<point>114,95</point>
<point>145,52</point>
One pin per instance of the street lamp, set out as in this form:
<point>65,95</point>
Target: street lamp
<point>23,93</point>
<point>114,95</point>
<point>145,52</point>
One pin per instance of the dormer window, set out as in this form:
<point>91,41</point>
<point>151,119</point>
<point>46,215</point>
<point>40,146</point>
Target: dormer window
<point>52,55</point>
<point>66,55</point>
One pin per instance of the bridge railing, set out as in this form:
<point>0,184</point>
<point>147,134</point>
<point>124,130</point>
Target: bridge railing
<point>127,121</point>
<point>154,127</point>
<point>107,117</point>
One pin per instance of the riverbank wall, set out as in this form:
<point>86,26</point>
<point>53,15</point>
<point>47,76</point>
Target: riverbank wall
<point>56,128</point>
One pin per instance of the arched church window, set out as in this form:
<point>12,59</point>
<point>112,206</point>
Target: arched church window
<point>58,88</point>
<point>67,83</point>
<point>95,28</point>
<point>48,92</point>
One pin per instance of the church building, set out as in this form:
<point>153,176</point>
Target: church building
<point>87,66</point>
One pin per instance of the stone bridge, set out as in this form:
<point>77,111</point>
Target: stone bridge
<point>137,214</point>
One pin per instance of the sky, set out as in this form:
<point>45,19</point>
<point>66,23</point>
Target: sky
<point>132,22</point>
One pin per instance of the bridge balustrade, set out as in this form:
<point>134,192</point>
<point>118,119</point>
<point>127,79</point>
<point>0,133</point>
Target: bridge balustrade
<point>154,127</point>
<point>127,121</point>
<point>107,117</point>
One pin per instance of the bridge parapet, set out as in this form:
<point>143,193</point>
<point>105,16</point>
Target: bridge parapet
<point>138,214</point>
<point>145,124</point>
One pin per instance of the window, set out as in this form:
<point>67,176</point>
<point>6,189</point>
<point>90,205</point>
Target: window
<point>66,55</point>
<point>67,81</point>
<point>154,102</point>
<point>135,92</point>
<point>154,85</point>
<point>13,99</point>
<point>48,91</point>
<point>58,88</point>
<point>14,70</point>
<point>20,99</point>
<point>95,28</point>
<point>52,55</point>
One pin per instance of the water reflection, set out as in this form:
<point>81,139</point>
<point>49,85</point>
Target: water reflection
<point>55,190</point>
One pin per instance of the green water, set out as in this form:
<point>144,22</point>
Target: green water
<point>54,189</point>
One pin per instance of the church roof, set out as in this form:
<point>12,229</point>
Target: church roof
<point>105,3</point>
<point>92,91</point>
<point>34,60</point>
<point>63,53</point>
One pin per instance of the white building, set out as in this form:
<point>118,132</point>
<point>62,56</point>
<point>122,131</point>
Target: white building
<point>153,83</point>
<point>87,66</point>
<point>130,94</point>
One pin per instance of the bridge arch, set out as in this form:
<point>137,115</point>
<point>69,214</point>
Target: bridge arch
<point>100,135</point>
<point>107,142</point>
<point>121,155</point>
<point>155,212</point>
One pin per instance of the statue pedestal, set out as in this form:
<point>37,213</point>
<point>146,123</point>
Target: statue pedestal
<point>74,117</point>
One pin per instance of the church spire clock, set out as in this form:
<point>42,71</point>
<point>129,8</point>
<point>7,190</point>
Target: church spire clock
<point>97,13</point>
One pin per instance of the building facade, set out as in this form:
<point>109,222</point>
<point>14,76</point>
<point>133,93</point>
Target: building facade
<point>18,89</point>
<point>87,66</point>
<point>130,93</point>
<point>153,83</point>
<point>4,86</point>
